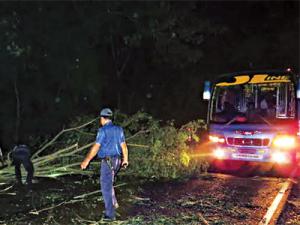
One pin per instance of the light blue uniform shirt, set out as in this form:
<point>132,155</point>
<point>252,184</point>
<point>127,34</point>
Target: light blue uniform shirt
<point>110,137</point>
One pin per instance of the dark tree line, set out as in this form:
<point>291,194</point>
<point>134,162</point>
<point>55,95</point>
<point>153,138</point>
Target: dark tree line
<point>65,59</point>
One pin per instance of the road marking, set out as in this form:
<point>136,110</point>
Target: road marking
<point>278,204</point>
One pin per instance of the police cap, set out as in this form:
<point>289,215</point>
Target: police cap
<point>106,112</point>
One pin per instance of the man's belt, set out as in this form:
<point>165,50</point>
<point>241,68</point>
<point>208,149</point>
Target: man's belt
<point>108,159</point>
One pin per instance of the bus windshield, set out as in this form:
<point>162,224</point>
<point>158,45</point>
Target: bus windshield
<point>255,102</point>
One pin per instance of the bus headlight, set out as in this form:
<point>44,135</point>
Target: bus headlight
<point>279,157</point>
<point>219,153</point>
<point>284,141</point>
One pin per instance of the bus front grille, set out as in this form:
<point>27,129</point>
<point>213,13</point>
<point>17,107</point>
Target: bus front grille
<point>248,141</point>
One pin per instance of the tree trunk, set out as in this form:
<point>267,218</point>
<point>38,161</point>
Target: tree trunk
<point>119,63</point>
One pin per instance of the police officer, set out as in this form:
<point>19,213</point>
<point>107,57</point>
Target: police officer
<point>113,153</point>
<point>21,155</point>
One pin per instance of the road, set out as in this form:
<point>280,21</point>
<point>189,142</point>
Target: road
<point>211,198</point>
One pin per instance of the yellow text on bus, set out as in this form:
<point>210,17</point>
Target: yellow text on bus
<point>257,78</point>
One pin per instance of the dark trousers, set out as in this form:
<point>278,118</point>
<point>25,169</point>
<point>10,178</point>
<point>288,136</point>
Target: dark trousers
<point>24,159</point>
<point>107,175</point>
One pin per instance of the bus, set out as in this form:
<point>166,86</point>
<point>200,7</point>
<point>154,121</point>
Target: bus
<point>254,116</point>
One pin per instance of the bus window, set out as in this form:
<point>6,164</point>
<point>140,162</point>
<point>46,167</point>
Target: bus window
<point>271,101</point>
<point>285,101</point>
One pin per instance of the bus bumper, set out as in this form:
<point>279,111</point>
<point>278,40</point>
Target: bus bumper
<point>254,155</point>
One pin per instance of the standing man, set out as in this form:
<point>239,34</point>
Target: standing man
<point>21,155</point>
<point>113,153</point>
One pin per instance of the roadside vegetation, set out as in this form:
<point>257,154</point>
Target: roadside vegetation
<point>156,150</point>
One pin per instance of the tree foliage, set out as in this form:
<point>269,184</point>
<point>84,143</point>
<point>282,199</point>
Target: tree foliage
<point>71,58</point>
<point>161,150</point>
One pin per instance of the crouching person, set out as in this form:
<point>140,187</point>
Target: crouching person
<point>21,155</point>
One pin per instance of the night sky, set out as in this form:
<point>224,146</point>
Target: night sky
<point>61,60</point>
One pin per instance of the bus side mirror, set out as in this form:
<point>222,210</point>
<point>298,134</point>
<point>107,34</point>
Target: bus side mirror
<point>206,90</point>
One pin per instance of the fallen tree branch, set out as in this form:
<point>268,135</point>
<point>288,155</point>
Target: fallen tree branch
<point>200,216</point>
<point>54,155</point>
<point>66,160</point>
<point>85,221</point>
<point>95,192</point>
<point>75,199</point>
<point>59,134</point>
<point>6,189</point>
<point>137,145</point>
<point>138,133</point>
<point>88,194</point>
<point>37,212</point>
<point>10,193</point>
